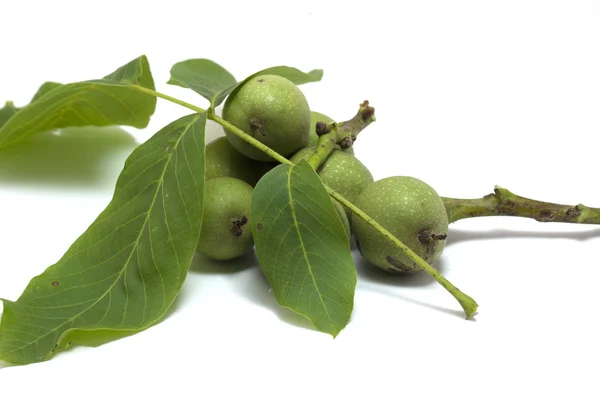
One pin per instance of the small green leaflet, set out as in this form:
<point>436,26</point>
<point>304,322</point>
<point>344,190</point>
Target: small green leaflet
<point>124,272</point>
<point>215,83</point>
<point>302,246</point>
<point>293,74</point>
<point>45,88</point>
<point>103,102</point>
<point>7,112</point>
<point>9,108</point>
<point>203,76</point>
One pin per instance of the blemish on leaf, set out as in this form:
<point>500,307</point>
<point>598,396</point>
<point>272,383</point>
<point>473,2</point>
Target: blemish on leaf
<point>259,226</point>
<point>55,283</point>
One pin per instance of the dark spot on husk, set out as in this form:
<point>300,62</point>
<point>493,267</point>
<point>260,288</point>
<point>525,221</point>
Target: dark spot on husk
<point>256,124</point>
<point>321,128</point>
<point>426,236</point>
<point>237,224</point>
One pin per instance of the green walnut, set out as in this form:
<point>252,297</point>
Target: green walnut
<point>226,227</point>
<point>223,160</point>
<point>271,109</point>
<point>313,138</point>
<point>342,172</point>
<point>412,211</point>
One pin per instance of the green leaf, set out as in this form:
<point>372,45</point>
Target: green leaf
<point>215,83</point>
<point>302,246</point>
<point>45,88</point>
<point>124,272</point>
<point>203,76</point>
<point>9,108</point>
<point>293,74</point>
<point>7,112</point>
<point>101,102</point>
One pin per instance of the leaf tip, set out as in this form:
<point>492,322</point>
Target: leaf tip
<point>173,81</point>
<point>316,74</point>
<point>143,59</point>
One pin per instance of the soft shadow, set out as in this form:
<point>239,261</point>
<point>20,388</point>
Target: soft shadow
<point>353,243</point>
<point>96,338</point>
<point>182,298</point>
<point>458,312</point>
<point>71,156</point>
<point>205,265</point>
<point>255,287</point>
<point>456,236</point>
<point>258,290</point>
<point>371,273</point>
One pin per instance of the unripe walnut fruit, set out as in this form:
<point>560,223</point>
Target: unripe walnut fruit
<point>226,225</point>
<point>271,109</point>
<point>409,209</point>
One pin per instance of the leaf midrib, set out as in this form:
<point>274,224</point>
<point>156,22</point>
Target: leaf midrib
<point>296,227</point>
<point>158,189</point>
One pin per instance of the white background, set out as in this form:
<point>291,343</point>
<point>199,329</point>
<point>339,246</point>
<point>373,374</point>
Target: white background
<point>468,95</point>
